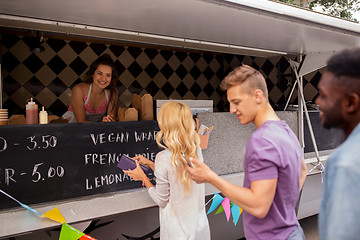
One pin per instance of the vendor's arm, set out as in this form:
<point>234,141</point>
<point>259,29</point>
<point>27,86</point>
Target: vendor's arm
<point>77,103</point>
<point>112,109</point>
<point>257,200</point>
<point>303,173</point>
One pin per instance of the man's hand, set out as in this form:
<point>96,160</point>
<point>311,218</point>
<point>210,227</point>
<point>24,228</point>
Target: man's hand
<point>201,173</point>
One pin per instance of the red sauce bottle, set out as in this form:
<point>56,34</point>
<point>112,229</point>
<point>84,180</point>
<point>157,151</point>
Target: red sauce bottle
<point>32,116</point>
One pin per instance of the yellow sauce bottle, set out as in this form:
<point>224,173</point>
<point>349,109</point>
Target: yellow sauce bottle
<point>43,116</point>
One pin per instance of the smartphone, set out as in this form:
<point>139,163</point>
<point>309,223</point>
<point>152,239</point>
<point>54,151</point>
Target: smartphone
<point>188,162</point>
<point>127,163</point>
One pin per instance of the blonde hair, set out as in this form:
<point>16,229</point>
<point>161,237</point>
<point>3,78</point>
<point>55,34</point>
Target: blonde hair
<point>248,75</point>
<point>177,133</point>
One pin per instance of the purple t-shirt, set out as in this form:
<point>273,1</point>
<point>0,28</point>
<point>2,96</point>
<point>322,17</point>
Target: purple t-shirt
<point>273,151</point>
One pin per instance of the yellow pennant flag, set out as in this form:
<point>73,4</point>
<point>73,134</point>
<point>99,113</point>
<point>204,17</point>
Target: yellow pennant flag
<point>55,215</point>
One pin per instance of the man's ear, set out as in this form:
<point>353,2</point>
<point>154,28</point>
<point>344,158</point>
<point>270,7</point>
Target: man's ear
<point>352,103</point>
<point>259,96</point>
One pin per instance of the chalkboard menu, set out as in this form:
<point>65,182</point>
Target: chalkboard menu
<point>42,163</point>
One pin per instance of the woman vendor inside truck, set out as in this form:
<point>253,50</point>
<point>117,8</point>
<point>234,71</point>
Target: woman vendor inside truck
<point>95,99</point>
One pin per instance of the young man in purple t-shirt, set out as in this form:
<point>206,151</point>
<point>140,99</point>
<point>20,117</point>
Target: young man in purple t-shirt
<point>273,165</point>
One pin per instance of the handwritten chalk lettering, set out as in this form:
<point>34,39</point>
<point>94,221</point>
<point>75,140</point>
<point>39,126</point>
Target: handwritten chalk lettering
<point>145,136</point>
<point>102,158</point>
<point>59,172</point>
<point>112,137</point>
<point>106,180</point>
<point>3,144</point>
<point>36,173</point>
<point>9,173</point>
<point>50,141</point>
<point>150,156</point>
<point>47,140</point>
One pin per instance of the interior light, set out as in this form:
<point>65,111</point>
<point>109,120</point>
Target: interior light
<point>36,43</point>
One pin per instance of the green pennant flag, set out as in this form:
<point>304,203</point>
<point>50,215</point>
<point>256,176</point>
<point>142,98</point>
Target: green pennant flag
<point>69,233</point>
<point>221,209</point>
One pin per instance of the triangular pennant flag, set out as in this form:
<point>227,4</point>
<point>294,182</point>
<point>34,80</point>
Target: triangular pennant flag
<point>69,233</point>
<point>220,210</point>
<point>235,211</point>
<point>86,237</point>
<point>217,199</point>
<point>55,215</point>
<point>226,205</point>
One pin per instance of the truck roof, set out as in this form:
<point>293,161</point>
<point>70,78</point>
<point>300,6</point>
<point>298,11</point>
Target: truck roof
<point>256,28</point>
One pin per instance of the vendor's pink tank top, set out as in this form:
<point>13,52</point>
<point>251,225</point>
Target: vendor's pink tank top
<point>91,114</point>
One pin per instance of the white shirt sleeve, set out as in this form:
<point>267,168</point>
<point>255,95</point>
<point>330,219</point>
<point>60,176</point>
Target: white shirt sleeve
<point>161,193</point>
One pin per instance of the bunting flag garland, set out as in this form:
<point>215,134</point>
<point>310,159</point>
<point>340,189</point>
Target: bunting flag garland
<point>220,210</point>
<point>67,231</point>
<point>216,200</point>
<point>236,212</point>
<point>70,233</point>
<point>55,215</point>
<point>225,206</point>
<point>21,204</point>
<point>85,237</point>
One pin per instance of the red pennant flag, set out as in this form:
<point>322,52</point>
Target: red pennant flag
<point>87,237</point>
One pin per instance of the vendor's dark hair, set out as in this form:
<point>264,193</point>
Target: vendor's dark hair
<point>106,60</point>
<point>345,65</point>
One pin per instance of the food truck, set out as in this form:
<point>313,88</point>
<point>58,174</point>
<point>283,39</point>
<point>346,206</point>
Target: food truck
<point>170,50</point>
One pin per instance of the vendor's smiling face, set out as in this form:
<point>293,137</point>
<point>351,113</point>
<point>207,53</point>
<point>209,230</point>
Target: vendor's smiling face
<point>102,76</point>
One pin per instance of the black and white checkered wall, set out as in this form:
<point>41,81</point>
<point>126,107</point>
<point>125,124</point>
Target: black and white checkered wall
<point>49,76</point>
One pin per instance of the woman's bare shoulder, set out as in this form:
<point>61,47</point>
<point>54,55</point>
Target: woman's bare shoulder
<point>80,87</point>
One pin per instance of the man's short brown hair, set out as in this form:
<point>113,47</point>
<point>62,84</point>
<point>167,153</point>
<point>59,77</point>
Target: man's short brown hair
<point>248,75</point>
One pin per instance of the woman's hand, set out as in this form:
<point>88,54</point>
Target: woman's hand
<point>144,161</point>
<point>137,174</point>
<point>108,118</point>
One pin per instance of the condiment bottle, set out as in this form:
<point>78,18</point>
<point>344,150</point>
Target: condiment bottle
<point>32,112</point>
<point>43,116</point>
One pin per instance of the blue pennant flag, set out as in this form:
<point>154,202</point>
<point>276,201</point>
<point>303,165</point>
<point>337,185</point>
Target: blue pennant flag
<point>236,212</point>
<point>217,199</point>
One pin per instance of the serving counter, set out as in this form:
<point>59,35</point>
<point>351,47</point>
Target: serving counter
<point>73,167</point>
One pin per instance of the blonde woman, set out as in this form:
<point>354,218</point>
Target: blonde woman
<point>181,201</point>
